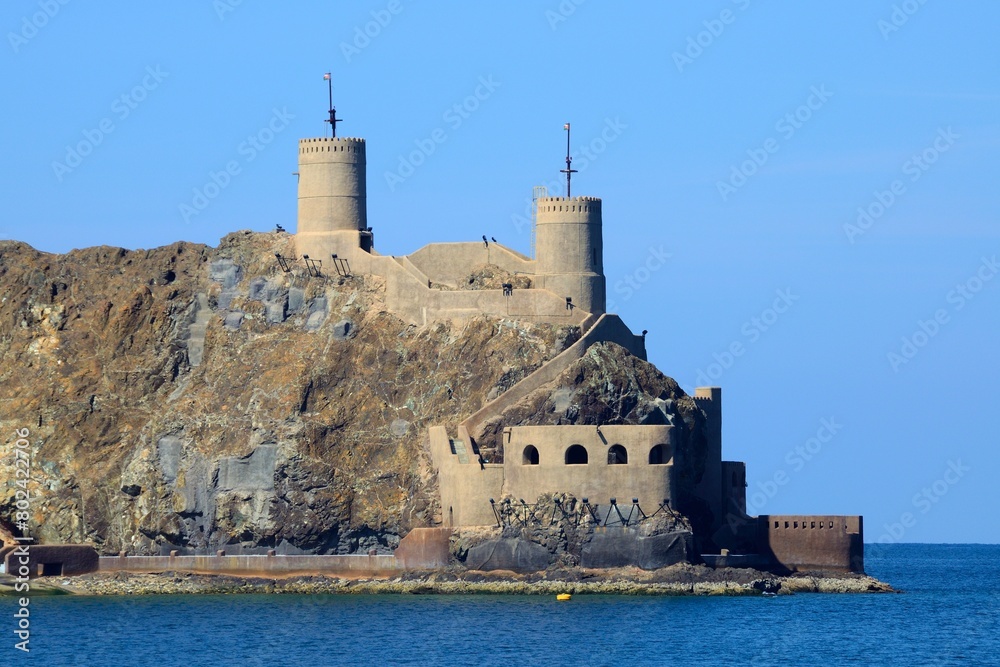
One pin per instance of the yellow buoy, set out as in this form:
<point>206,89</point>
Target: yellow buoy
<point>562,597</point>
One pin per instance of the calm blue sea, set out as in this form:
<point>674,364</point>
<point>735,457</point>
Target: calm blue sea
<point>948,616</point>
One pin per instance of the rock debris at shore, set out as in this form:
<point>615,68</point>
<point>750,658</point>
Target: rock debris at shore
<point>686,580</point>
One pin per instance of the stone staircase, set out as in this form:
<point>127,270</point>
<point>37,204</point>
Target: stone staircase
<point>607,327</point>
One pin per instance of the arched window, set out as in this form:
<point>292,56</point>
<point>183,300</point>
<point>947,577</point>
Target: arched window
<point>576,455</point>
<point>659,454</point>
<point>530,456</point>
<point>617,455</point>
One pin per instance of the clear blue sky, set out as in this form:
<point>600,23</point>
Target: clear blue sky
<point>740,138</point>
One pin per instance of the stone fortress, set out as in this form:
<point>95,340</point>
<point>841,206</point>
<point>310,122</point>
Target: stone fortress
<point>563,284</point>
<point>696,500</point>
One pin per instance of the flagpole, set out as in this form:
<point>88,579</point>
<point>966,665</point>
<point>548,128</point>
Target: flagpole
<point>569,171</point>
<point>333,125</point>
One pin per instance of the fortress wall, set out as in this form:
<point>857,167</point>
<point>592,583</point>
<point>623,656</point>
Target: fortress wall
<point>424,548</point>
<point>412,269</point>
<point>802,543</point>
<point>321,244</point>
<point>451,263</point>
<point>587,290</point>
<point>597,479</point>
<point>607,328</point>
<point>50,559</point>
<point>408,296</point>
<point>413,300</point>
<point>711,488</point>
<point>734,490</point>
<point>466,487</point>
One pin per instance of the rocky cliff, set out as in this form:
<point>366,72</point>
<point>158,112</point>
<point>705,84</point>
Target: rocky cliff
<point>194,397</point>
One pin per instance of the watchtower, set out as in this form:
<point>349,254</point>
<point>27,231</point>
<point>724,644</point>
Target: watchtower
<point>333,212</point>
<point>569,249</point>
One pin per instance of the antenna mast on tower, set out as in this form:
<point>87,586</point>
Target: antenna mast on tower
<point>333,120</point>
<point>569,171</point>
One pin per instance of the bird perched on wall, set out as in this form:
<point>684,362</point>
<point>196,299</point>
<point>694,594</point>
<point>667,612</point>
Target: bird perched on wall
<point>493,239</point>
<point>486,244</point>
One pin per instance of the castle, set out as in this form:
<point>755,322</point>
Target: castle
<point>564,284</point>
<point>656,465</point>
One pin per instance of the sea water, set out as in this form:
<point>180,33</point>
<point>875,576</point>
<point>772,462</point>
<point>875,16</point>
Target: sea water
<point>948,615</point>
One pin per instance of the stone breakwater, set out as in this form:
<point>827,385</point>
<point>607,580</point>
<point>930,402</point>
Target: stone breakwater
<point>688,580</point>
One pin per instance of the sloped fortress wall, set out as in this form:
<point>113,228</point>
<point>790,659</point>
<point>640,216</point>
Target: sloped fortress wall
<point>569,247</point>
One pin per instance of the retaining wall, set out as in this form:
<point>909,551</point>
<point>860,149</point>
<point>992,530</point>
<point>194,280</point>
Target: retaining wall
<point>243,565</point>
<point>421,549</point>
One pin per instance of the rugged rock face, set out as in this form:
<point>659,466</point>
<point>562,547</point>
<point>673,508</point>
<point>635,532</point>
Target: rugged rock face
<point>559,531</point>
<point>607,386</point>
<point>195,397</point>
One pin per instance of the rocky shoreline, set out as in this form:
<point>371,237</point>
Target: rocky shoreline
<point>675,580</point>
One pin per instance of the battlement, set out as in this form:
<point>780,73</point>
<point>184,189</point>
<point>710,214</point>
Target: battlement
<point>568,199</point>
<point>705,396</point>
<point>359,140</point>
<point>568,205</point>
<point>840,523</point>
<point>332,145</point>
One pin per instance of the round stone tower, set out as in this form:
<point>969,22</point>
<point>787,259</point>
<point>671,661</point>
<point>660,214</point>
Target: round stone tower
<point>333,210</point>
<point>569,250</point>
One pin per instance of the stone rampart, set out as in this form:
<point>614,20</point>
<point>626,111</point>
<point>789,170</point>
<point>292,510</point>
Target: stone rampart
<point>803,543</point>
